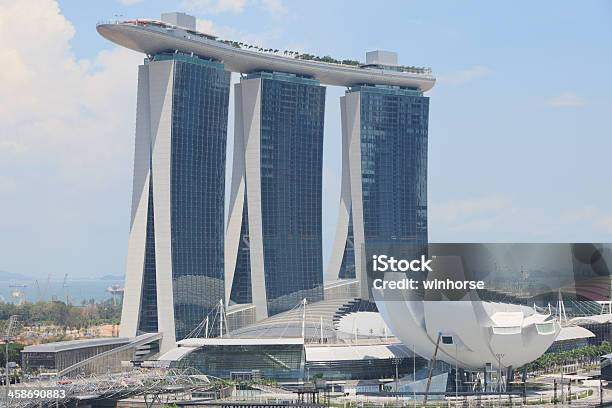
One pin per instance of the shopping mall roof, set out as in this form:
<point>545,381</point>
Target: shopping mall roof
<point>343,352</point>
<point>594,319</point>
<point>224,341</point>
<point>74,344</point>
<point>573,333</point>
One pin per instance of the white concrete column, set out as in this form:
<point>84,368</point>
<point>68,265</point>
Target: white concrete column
<point>160,88</point>
<point>352,111</point>
<point>250,96</point>
<point>344,212</point>
<point>140,199</point>
<point>237,197</point>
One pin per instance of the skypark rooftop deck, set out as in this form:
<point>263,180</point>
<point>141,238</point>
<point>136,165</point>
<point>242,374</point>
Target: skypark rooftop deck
<point>152,37</point>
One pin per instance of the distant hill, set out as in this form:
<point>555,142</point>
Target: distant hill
<point>9,276</point>
<point>113,277</point>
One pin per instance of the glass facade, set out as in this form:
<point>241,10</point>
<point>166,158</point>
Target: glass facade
<point>292,115</point>
<point>197,194</point>
<point>283,362</point>
<point>287,363</point>
<point>147,321</point>
<point>366,369</point>
<point>241,286</point>
<point>393,129</point>
<point>347,267</point>
<point>59,360</point>
<point>198,135</point>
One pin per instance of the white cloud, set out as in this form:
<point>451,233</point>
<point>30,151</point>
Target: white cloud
<point>465,76</point>
<point>275,7</point>
<point>65,147</point>
<point>207,26</point>
<point>597,219</point>
<point>57,108</point>
<point>455,211</point>
<point>129,2</point>
<point>566,100</point>
<point>214,6</point>
<point>262,39</point>
<point>584,214</point>
<point>495,217</point>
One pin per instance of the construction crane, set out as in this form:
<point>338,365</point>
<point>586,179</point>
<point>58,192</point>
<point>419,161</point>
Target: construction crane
<point>65,288</point>
<point>41,292</point>
<point>11,328</point>
<point>37,290</point>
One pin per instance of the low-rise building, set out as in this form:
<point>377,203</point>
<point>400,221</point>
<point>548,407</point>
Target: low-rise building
<point>57,356</point>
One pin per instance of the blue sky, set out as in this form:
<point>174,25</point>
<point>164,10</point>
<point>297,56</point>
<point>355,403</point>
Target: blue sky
<point>519,141</point>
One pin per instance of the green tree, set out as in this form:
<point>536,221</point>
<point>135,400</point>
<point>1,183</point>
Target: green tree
<point>14,353</point>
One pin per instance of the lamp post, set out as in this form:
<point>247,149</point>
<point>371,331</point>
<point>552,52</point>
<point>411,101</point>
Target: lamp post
<point>413,375</point>
<point>499,378</point>
<point>562,392</point>
<point>396,361</point>
<point>456,374</point>
<point>600,392</point>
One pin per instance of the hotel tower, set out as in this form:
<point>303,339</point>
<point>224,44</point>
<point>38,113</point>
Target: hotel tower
<point>184,261</point>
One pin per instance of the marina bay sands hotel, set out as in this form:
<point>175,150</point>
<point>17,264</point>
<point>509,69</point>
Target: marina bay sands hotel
<point>184,260</point>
